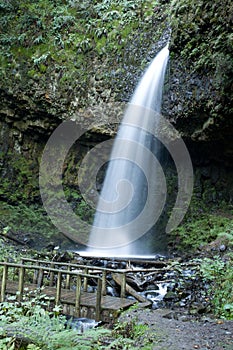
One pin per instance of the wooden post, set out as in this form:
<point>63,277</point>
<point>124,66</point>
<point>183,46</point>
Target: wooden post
<point>21,282</point>
<point>98,300</point>
<point>78,296</point>
<point>58,290</point>
<point>36,272</point>
<point>123,285</point>
<point>4,281</point>
<point>35,276</point>
<point>51,276</point>
<point>40,278</point>
<point>104,283</point>
<point>85,280</point>
<point>68,278</point>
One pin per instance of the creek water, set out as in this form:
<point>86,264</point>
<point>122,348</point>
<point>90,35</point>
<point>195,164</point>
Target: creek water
<point>134,187</point>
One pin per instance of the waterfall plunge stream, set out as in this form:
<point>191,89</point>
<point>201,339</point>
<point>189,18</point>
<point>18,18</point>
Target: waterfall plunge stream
<point>134,187</point>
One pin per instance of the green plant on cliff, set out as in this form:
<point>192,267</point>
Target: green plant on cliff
<point>203,29</point>
<point>68,28</point>
<point>47,53</point>
<point>203,230</point>
<point>202,41</point>
<point>204,223</point>
<point>29,219</point>
<point>201,32</point>
<point>21,183</point>
<point>79,205</point>
<point>64,36</point>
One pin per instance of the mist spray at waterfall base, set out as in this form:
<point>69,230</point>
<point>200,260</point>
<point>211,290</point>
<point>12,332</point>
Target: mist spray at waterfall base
<point>134,189</point>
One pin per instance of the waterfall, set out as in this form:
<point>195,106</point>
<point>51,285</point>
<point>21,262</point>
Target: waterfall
<point>133,188</point>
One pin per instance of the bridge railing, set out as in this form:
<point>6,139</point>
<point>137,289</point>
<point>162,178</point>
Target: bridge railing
<point>38,273</point>
<point>86,269</point>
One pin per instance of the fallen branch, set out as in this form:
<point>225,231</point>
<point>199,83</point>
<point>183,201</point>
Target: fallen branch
<point>5,235</point>
<point>118,279</point>
<point>8,234</point>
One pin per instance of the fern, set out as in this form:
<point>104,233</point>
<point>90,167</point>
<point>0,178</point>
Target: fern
<point>29,323</point>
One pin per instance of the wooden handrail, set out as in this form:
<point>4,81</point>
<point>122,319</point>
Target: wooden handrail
<point>76,265</point>
<point>102,270</point>
<point>91,267</point>
<point>86,268</point>
<point>32,267</point>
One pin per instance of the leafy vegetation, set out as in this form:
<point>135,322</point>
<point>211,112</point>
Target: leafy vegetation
<point>61,32</point>
<point>22,218</point>
<point>7,251</point>
<point>21,182</point>
<point>79,205</point>
<point>27,325</point>
<point>198,231</point>
<point>202,30</point>
<point>209,216</point>
<point>219,273</point>
<point>127,334</point>
<point>202,35</point>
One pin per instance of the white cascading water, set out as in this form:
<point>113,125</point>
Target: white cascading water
<point>127,205</point>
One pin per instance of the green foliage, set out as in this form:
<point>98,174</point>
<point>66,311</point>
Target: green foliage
<point>201,32</point>
<point>129,334</point>
<point>131,329</point>
<point>26,219</point>
<point>212,268</point>
<point>37,328</point>
<point>22,180</point>
<point>47,40</point>
<point>208,219</point>
<point>7,251</point>
<point>202,229</point>
<point>202,40</point>
<point>47,26</point>
<point>79,205</point>
<point>28,323</point>
<point>220,275</point>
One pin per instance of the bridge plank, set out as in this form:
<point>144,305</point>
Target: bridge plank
<point>108,302</point>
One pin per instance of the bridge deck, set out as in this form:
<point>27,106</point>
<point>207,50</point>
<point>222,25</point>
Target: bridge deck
<point>109,305</point>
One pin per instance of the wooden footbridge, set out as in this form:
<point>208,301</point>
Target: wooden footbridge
<point>81,290</point>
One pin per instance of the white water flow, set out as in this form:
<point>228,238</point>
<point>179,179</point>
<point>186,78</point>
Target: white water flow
<point>133,190</point>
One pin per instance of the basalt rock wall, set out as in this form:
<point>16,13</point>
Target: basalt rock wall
<point>81,61</point>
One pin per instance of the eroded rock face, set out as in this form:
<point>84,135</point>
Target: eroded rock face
<point>201,76</point>
<point>199,112</point>
<point>39,93</point>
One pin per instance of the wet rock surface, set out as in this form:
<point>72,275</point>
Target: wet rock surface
<point>166,283</point>
<point>180,315</point>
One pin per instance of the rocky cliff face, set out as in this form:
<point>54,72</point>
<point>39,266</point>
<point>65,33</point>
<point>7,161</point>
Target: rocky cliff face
<point>201,81</point>
<point>82,60</point>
